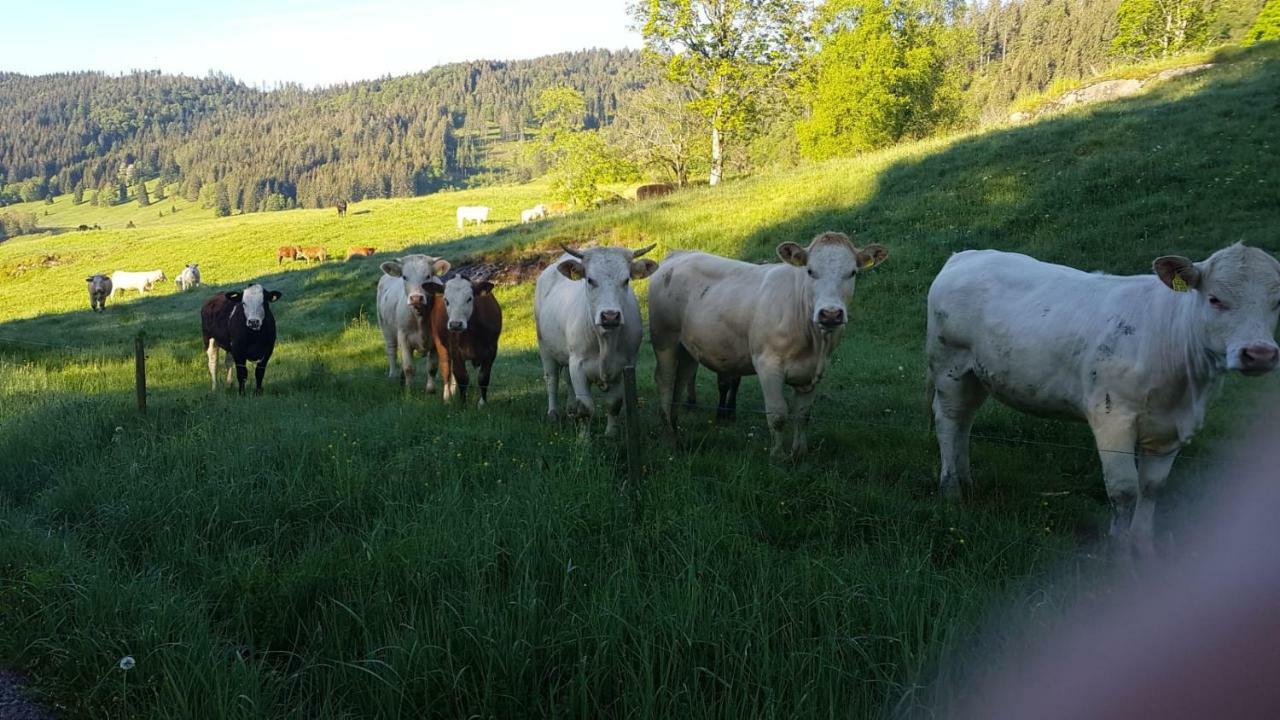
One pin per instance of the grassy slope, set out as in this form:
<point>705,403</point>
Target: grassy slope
<point>334,550</point>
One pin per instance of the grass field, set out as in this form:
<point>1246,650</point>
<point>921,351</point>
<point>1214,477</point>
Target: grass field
<point>335,550</point>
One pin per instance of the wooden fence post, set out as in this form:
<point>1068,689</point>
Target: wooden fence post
<point>631,427</point>
<point>140,371</point>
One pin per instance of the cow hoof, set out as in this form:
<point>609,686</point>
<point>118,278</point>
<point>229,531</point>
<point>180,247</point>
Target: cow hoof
<point>481,403</point>
<point>553,416</point>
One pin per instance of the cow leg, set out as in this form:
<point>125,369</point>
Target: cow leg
<point>231,368</point>
<point>1116,438</point>
<point>389,340</point>
<point>691,390</point>
<point>242,374</point>
<point>580,406</point>
<point>485,369</point>
<point>259,370</point>
<point>727,408</point>
<point>1153,470</point>
<point>613,402</point>
<point>956,399</point>
<point>686,372</point>
<point>434,366</point>
<point>406,363</point>
<point>445,365</point>
<point>664,376</point>
<point>551,376</point>
<point>801,406</point>
<point>460,379</point>
<point>772,384</point>
<point>212,352</point>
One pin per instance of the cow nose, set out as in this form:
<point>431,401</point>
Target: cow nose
<point>831,317</point>
<point>457,325</point>
<point>610,318</point>
<point>254,324</point>
<point>417,299</point>
<point>1259,357</point>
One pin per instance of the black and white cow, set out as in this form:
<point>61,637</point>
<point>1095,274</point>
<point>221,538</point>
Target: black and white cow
<point>240,323</point>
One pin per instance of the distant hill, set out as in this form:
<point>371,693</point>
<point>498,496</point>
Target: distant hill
<point>391,137</point>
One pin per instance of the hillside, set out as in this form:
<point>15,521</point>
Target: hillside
<point>391,137</point>
<point>333,549</point>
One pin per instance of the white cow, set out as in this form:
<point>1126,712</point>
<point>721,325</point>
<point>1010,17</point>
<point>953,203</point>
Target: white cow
<point>99,289</point>
<point>404,314</point>
<point>189,277</point>
<point>1135,357</point>
<point>588,320</point>
<point>140,281</point>
<point>478,214</point>
<point>537,212</point>
<point>780,322</point>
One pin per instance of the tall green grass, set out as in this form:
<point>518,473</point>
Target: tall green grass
<point>335,550</point>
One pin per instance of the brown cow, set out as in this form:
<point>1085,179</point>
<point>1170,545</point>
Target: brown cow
<point>356,251</point>
<point>342,208</point>
<point>466,321</point>
<point>290,252</point>
<point>655,190</point>
<point>557,208</point>
<point>314,252</point>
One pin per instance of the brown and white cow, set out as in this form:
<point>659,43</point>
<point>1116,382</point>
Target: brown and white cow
<point>466,321</point>
<point>99,291</point>
<point>780,322</point>
<point>1134,356</point>
<point>359,251</point>
<point>404,314</point>
<point>288,252</point>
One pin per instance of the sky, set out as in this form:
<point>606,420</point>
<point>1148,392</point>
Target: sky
<point>312,42</point>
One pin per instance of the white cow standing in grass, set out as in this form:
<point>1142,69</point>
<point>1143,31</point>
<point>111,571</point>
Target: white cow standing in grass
<point>1135,357</point>
<point>780,322</point>
<point>478,214</point>
<point>404,314</point>
<point>588,321</point>
<point>189,277</point>
<point>140,281</point>
<point>99,290</point>
<point>537,212</point>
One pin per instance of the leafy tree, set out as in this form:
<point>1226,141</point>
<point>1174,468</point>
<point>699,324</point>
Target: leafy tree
<point>275,202</point>
<point>726,52</point>
<point>583,162</point>
<point>221,201</point>
<point>559,110</point>
<point>140,192</point>
<point>656,129</point>
<point>159,194</point>
<point>1159,28</point>
<point>107,195</point>
<point>1266,26</point>
<point>887,70</point>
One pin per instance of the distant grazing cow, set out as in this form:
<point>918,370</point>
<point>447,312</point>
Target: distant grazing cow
<point>588,320</point>
<point>537,212</point>
<point>240,323</point>
<point>342,208</point>
<point>141,281</point>
<point>289,252</point>
<point>1135,357</point>
<point>404,314</point>
<point>99,290</point>
<point>466,321</point>
<point>189,277</point>
<point>82,228</point>
<point>314,252</point>
<point>557,208</point>
<point>780,322</point>
<point>655,190</point>
<point>478,214</point>
<point>358,252</point>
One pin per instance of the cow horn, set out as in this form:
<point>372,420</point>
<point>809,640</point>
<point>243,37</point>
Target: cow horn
<point>643,250</point>
<point>571,251</point>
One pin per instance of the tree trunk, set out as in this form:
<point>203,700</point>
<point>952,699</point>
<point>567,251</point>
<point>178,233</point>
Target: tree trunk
<point>717,156</point>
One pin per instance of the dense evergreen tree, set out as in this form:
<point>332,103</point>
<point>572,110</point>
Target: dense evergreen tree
<point>1149,29</point>
<point>140,192</point>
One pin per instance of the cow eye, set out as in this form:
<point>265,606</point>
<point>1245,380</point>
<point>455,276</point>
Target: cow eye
<point>1216,303</point>
<point>812,274</point>
<point>853,272</point>
<point>591,282</point>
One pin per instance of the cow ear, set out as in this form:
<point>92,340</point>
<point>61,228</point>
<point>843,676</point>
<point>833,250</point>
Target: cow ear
<point>433,287</point>
<point>572,269</point>
<point>793,254</point>
<point>391,267</point>
<point>441,266</point>
<point>871,256</point>
<point>643,268</point>
<point>234,296</point>
<point>1177,272</point>
<point>274,295</point>
<point>482,287</point>
<point>88,279</point>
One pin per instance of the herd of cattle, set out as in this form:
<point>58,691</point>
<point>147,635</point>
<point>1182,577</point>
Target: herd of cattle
<point>1133,356</point>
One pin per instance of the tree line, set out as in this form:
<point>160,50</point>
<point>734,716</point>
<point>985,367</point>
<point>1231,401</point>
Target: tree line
<point>720,87</point>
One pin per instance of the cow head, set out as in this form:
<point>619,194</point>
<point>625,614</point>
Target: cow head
<point>416,270</point>
<point>608,273</point>
<point>253,301</point>
<point>1238,294</point>
<point>162,278</point>
<point>831,264</point>
<point>459,299</point>
<point>193,266</point>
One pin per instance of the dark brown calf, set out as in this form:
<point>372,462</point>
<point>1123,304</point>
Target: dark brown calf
<point>466,321</point>
<point>290,252</point>
<point>656,190</point>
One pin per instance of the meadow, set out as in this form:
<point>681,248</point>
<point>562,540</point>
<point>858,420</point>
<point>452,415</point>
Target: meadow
<point>334,549</point>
